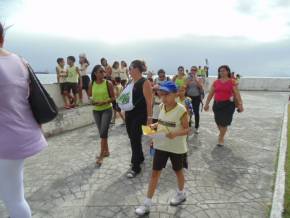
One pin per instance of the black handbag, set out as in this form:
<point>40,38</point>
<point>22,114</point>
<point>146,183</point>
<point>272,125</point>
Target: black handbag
<point>42,105</point>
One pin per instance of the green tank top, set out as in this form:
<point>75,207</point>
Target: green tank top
<point>180,82</point>
<point>72,75</point>
<point>100,93</point>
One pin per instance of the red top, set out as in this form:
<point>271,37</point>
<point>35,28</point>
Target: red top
<point>223,90</point>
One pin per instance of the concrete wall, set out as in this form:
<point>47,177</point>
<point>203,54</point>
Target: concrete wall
<point>263,84</point>
<point>54,91</point>
<point>82,116</point>
<point>69,120</point>
<point>246,84</point>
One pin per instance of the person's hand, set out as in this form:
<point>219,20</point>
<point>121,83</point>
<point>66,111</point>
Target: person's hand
<point>170,135</point>
<point>153,126</point>
<point>149,121</point>
<point>240,108</point>
<point>206,107</point>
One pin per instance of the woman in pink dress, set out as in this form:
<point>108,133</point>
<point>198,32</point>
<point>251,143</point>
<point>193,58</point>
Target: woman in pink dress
<point>226,94</point>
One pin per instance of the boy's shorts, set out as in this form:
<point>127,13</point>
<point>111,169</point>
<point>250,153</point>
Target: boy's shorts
<point>178,161</point>
<point>72,87</point>
<point>63,88</point>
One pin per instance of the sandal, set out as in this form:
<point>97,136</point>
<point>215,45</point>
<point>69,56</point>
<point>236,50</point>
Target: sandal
<point>106,154</point>
<point>99,161</point>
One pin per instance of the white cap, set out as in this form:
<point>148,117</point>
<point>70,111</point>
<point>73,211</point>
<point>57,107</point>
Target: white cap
<point>82,55</point>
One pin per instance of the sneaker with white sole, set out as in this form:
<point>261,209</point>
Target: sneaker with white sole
<point>178,199</point>
<point>196,131</point>
<point>142,210</point>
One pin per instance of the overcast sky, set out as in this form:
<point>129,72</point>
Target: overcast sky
<point>252,36</point>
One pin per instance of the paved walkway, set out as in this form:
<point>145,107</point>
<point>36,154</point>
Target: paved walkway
<point>234,181</point>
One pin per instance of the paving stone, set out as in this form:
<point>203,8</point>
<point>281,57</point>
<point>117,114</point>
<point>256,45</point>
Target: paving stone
<point>233,181</point>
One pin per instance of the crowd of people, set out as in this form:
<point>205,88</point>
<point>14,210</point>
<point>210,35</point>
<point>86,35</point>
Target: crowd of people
<point>164,105</point>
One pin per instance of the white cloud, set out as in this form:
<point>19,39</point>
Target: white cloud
<point>117,21</point>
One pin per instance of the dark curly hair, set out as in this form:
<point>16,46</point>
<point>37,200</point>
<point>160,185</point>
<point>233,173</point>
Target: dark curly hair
<point>97,68</point>
<point>227,68</point>
<point>141,65</point>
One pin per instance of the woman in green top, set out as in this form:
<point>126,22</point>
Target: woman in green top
<point>180,78</point>
<point>102,95</point>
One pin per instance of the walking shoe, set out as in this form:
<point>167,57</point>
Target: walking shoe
<point>132,174</point>
<point>178,199</point>
<point>220,145</point>
<point>196,131</point>
<point>142,210</point>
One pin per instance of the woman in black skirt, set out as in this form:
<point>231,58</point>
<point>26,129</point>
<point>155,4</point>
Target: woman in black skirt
<point>226,98</point>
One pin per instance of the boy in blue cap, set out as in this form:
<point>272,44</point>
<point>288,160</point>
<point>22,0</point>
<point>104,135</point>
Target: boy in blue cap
<point>173,120</point>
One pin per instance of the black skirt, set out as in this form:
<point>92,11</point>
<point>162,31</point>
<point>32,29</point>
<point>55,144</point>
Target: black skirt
<point>223,112</point>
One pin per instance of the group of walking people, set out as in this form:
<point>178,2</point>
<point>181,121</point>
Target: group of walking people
<point>21,136</point>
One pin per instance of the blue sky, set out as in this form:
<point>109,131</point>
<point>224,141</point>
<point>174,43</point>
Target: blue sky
<point>253,37</point>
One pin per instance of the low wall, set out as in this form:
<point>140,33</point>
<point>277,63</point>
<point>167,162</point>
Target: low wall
<point>246,84</point>
<point>262,84</point>
<point>54,91</point>
<point>82,116</point>
<point>69,120</point>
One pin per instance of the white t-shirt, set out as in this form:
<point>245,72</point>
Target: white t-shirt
<point>84,69</point>
<point>61,72</point>
<point>123,73</point>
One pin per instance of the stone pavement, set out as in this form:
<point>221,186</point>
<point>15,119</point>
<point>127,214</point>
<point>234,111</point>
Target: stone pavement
<point>234,181</point>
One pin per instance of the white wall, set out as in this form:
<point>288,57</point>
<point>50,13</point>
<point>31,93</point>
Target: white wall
<point>246,84</point>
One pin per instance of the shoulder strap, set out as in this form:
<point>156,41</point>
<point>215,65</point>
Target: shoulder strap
<point>108,88</point>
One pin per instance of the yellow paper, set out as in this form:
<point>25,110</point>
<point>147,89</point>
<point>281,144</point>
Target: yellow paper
<point>147,130</point>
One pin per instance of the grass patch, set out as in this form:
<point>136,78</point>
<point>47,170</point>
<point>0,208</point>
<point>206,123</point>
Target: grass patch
<point>286,213</point>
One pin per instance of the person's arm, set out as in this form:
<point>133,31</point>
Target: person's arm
<point>238,98</point>
<point>174,78</point>
<point>127,73</point>
<point>58,74</point>
<point>90,89</point>
<point>148,94</point>
<point>112,93</point>
<point>80,78</point>
<point>199,83</point>
<point>209,97</point>
<point>183,131</point>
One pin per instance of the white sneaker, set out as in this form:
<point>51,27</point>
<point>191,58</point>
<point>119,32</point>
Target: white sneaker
<point>178,199</point>
<point>142,210</point>
<point>196,131</point>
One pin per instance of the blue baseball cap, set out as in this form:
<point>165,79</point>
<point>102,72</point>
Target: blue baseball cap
<point>169,87</point>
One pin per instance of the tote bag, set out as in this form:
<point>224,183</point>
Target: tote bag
<point>42,105</point>
<point>125,100</point>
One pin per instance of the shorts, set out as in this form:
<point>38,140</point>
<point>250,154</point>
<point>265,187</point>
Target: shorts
<point>63,87</point>
<point>178,161</point>
<point>86,82</point>
<point>72,87</point>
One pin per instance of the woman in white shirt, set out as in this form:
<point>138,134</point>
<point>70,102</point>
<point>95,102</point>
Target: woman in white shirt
<point>124,73</point>
<point>84,81</point>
